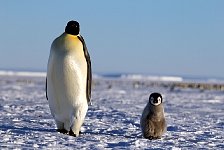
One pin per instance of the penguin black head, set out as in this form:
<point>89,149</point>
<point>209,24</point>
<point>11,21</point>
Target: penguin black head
<point>72,28</point>
<point>155,99</point>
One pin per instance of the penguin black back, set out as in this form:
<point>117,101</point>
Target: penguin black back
<point>72,27</point>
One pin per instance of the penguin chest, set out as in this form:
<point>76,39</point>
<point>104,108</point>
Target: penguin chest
<point>67,76</point>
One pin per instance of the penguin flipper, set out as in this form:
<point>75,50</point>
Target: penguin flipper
<point>89,70</point>
<point>46,89</point>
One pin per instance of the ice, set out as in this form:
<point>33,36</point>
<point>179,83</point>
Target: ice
<point>153,78</point>
<point>195,117</point>
<point>26,74</point>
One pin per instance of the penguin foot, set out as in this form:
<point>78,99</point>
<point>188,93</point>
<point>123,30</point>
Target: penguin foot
<point>152,138</point>
<point>72,133</point>
<point>62,131</point>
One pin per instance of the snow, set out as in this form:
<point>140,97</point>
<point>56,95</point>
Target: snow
<point>195,117</point>
<point>153,78</point>
<point>22,73</point>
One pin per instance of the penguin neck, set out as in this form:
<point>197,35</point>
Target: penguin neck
<point>157,111</point>
<point>71,34</point>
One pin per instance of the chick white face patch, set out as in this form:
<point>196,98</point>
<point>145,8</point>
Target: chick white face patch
<point>155,101</point>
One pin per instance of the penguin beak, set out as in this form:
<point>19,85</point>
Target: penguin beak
<point>155,101</point>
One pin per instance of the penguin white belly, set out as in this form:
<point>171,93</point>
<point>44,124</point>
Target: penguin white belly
<point>66,80</point>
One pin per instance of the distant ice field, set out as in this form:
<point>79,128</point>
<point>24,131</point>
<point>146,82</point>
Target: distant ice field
<point>194,116</point>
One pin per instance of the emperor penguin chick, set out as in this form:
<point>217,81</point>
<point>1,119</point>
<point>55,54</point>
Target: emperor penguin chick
<point>68,83</point>
<point>153,123</point>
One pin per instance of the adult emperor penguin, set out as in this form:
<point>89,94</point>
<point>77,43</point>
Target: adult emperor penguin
<point>69,77</point>
<point>153,123</point>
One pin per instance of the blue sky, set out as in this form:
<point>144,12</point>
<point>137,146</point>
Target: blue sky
<point>152,37</point>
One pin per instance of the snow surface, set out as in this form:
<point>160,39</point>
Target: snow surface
<point>195,118</point>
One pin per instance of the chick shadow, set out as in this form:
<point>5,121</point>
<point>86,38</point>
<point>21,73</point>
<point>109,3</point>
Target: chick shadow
<point>104,132</point>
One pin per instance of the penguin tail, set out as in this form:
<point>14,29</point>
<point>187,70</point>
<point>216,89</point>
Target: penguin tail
<point>90,103</point>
